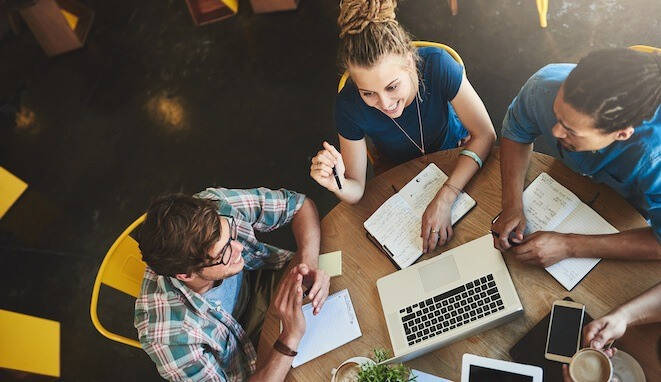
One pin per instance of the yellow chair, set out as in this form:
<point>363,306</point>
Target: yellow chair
<point>122,269</point>
<point>372,154</point>
<point>542,10</point>
<point>29,344</point>
<point>11,188</point>
<point>645,49</point>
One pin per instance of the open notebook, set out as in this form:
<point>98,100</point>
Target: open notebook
<point>395,226</point>
<point>548,206</point>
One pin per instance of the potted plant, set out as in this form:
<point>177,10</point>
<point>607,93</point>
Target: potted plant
<point>361,369</point>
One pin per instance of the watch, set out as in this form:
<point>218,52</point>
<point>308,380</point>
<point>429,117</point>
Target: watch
<point>284,349</point>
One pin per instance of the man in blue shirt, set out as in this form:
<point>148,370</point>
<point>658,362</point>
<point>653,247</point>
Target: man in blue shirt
<point>602,118</point>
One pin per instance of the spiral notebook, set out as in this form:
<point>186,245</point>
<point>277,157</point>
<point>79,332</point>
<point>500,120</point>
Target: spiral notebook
<point>395,226</point>
<point>334,325</point>
<point>548,206</point>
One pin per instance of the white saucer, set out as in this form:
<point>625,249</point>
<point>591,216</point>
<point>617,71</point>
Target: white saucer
<point>626,368</point>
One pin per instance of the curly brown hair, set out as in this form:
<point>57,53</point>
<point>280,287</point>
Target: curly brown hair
<point>178,233</point>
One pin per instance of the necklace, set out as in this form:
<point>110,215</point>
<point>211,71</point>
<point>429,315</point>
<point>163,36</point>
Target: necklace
<point>422,138</point>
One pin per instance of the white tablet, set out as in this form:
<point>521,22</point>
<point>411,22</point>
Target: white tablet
<point>481,369</point>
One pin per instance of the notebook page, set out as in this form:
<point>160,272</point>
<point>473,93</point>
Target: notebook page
<point>420,191</point>
<point>335,325</point>
<point>583,220</point>
<point>397,227</point>
<point>546,203</point>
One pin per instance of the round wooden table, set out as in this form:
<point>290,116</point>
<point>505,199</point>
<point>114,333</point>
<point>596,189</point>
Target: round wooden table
<point>610,284</point>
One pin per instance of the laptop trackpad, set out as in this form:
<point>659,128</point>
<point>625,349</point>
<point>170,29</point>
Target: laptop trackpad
<point>439,273</point>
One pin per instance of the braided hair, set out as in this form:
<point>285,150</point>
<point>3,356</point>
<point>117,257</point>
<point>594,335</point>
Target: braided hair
<point>617,87</point>
<point>368,31</point>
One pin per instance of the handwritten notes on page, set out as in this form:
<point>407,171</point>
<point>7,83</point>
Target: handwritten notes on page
<point>396,224</point>
<point>548,206</point>
<point>335,325</point>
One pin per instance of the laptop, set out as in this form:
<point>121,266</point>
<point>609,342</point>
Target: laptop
<point>482,369</point>
<point>454,295</point>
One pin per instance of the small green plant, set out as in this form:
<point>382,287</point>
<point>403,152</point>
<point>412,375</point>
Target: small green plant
<point>384,373</point>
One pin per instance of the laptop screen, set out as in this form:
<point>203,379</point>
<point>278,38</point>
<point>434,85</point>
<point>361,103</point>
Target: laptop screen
<point>485,374</point>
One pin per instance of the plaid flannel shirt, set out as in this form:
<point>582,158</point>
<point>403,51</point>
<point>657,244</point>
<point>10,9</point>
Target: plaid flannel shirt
<point>188,338</point>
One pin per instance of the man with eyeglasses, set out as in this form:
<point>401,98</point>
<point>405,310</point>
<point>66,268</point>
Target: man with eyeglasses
<point>209,281</point>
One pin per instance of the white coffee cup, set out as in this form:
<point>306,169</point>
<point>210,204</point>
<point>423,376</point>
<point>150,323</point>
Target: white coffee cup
<point>590,365</point>
<point>348,370</point>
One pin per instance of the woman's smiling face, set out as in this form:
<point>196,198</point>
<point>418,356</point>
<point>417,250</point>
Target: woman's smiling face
<point>388,85</point>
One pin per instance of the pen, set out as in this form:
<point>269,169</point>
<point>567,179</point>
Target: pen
<point>337,179</point>
<point>497,235</point>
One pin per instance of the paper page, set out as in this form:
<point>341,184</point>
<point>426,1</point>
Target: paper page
<point>397,227</point>
<point>546,203</point>
<point>583,220</point>
<point>331,263</point>
<point>420,191</point>
<point>424,377</point>
<point>335,325</point>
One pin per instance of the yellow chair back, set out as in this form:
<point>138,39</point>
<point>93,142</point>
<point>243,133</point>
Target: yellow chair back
<point>645,49</point>
<point>417,44</point>
<point>122,269</point>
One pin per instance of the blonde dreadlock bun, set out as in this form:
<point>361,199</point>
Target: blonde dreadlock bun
<point>355,15</point>
<point>368,31</point>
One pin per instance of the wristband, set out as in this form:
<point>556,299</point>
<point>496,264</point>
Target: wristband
<point>284,349</point>
<point>473,156</point>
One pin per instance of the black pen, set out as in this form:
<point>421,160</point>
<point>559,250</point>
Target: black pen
<point>497,235</point>
<point>337,179</point>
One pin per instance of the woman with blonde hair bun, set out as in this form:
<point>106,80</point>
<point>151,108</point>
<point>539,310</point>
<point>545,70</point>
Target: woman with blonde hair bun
<point>410,102</point>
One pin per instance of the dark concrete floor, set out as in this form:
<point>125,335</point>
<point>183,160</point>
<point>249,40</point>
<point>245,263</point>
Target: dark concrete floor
<point>248,100</point>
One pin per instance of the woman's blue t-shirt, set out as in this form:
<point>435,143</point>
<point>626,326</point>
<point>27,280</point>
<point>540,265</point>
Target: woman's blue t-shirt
<point>441,76</point>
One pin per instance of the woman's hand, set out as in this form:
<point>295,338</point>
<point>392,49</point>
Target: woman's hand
<point>321,169</point>
<point>436,226</point>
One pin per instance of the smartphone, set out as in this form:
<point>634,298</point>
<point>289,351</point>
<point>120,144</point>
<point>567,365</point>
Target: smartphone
<point>565,326</point>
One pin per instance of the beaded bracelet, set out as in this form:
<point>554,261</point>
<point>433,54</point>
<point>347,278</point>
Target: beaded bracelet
<point>473,156</point>
<point>456,189</point>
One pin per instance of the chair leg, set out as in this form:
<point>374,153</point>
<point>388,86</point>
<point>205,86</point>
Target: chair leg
<point>454,7</point>
<point>542,10</point>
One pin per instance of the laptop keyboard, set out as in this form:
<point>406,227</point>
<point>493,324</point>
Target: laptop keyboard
<point>452,309</point>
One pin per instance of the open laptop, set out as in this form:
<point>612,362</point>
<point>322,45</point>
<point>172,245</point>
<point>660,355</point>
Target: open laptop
<point>454,295</point>
<point>482,369</point>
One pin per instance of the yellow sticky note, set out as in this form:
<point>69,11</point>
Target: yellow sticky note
<point>331,263</point>
<point>72,19</point>
<point>11,187</point>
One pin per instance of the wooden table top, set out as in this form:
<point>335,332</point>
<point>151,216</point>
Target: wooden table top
<point>610,284</point>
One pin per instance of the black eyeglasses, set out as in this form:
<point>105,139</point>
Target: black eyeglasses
<point>226,251</point>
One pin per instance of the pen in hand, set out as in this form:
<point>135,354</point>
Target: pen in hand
<point>337,178</point>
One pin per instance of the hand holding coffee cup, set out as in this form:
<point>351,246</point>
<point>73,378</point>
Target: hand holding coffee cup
<point>605,330</point>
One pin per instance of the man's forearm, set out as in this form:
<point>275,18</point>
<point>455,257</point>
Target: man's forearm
<point>639,244</point>
<point>277,365</point>
<point>305,226</point>
<point>514,160</point>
